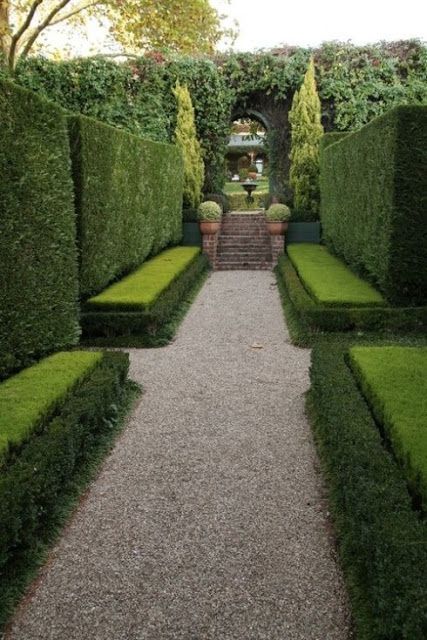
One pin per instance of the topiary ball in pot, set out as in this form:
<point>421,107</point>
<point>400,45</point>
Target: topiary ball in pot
<point>277,219</point>
<point>209,214</point>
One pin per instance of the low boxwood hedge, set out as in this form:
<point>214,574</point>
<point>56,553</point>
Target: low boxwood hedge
<point>317,317</point>
<point>29,397</point>
<point>141,289</point>
<point>51,468</point>
<point>149,309</point>
<point>381,539</point>
<point>394,381</point>
<point>329,280</point>
<point>238,201</point>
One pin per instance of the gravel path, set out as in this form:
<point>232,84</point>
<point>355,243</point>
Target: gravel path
<point>208,520</point>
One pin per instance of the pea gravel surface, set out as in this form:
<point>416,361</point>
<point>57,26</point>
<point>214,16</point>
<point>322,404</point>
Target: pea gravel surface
<point>209,519</point>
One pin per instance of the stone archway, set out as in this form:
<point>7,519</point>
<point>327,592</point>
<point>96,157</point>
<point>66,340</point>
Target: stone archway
<point>273,115</point>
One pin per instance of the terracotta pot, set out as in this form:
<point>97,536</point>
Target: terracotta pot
<point>276,228</point>
<point>252,175</point>
<point>209,227</point>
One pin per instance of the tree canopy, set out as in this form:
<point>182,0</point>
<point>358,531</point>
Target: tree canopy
<point>183,26</point>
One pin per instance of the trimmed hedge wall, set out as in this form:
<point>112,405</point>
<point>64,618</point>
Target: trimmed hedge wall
<point>326,318</point>
<point>329,138</point>
<point>381,539</point>
<point>37,481</point>
<point>128,199</point>
<point>38,257</point>
<point>374,199</point>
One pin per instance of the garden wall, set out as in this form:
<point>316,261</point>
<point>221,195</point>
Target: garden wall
<point>128,200</point>
<point>38,257</point>
<point>373,202</point>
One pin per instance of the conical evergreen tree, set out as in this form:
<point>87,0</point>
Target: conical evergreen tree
<point>186,139</point>
<point>306,131</point>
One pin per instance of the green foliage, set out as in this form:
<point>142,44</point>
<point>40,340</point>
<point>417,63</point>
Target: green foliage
<point>39,486</point>
<point>394,381</point>
<point>149,325</point>
<point>329,280</point>
<point>186,140</point>
<point>38,258</point>
<point>141,289</point>
<point>128,199</point>
<point>356,83</point>
<point>236,187</point>
<point>219,198</point>
<point>209,210</point>
<point>306,132</point>
<point>381,539</point>
<point>373,202</point>
<point>238,201</point>
<point>329,138</point>
<point>127,96</point>
<point>212,101</point>
<point>278,212</point>
<point>34,394</point>
<point>319,317</point>
<point>181,297</point>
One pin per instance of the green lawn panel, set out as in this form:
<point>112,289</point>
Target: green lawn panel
<point>139,290</point>
<point>328,280</point>
<point>394,381</point>
<point>33,394</point>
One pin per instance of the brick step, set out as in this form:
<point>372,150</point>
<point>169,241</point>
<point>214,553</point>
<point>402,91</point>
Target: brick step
<point>241,233</point>
<point>243,216</point>
<point>243,244</point>
<point>244,255</point>
<point>243,266</point>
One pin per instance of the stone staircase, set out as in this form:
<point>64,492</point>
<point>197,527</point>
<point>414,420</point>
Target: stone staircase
<point>243,243</point>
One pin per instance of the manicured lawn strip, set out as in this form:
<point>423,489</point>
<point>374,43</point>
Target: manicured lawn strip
<point>329,280</point>
<point>381,539</point>
<point>139,290</point>
<point>394,381</point>
<point>32,395</point>
<point>41,486</point>
<point>314,318</point>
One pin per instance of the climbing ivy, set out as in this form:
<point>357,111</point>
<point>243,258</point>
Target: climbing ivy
<point>355,84</point>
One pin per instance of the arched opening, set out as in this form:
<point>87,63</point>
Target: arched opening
<point>271,113</point>
<point>247,158</point>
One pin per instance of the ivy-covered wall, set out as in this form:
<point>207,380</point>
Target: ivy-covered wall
<point>355,85</point>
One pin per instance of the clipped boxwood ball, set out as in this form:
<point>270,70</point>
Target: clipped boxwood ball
<point>210,210</point>
<point>278,213</point>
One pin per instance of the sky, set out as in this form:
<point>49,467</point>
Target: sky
<point>268,23</point>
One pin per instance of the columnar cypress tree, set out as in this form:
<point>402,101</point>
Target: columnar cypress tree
<point>306,131</point>
<point>186,139</point>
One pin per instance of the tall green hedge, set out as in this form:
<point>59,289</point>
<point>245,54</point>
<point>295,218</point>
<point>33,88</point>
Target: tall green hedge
<point>329,138</point>
<point>38,259</point>
<point>128,199</point>
<point>374,199</point>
